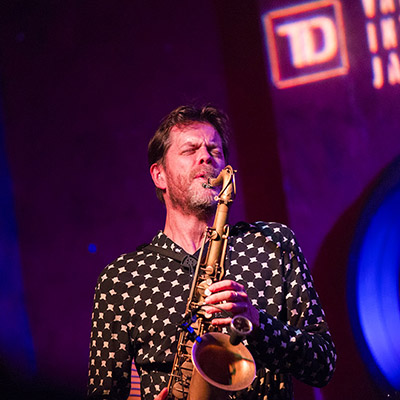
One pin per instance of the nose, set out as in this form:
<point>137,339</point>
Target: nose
<point>204,156</point>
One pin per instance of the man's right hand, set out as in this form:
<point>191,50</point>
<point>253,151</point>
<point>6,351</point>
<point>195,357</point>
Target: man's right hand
<point>163,395</point>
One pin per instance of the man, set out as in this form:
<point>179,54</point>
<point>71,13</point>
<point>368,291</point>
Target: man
<point>141,297</point>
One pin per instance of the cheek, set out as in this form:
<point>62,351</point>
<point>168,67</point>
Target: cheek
<point>176,166</point>
<point>177,175</point>
<point>221,163</point>
<point>178,162</point>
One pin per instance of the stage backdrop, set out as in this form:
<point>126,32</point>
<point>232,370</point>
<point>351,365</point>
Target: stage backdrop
<point>313,92</point>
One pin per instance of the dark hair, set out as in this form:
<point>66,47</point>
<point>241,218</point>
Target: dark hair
<point>184,116</point>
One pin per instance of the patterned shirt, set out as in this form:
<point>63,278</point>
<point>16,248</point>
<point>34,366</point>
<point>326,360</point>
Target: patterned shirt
<point>141,297</point>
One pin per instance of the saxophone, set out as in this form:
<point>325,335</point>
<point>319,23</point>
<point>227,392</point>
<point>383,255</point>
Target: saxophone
<point>209,364</point>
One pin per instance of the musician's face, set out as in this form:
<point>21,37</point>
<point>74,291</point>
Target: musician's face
<point>195,155</point>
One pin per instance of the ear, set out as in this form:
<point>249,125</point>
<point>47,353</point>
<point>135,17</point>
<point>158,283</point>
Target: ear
<point>157,173</point>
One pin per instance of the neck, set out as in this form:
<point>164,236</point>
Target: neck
<point>186,230</point>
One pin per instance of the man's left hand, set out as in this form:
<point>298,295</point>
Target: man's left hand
<point>231,297</point>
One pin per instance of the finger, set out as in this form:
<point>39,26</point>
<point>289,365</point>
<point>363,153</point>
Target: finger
<point>232,308</point>
<point>220,297</point>
<point>225,285</point>
<point>226,296</point>
<point>221,321</point>
<point>162,395</point>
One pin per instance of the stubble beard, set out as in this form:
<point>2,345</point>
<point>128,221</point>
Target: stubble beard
<point>190,196</point>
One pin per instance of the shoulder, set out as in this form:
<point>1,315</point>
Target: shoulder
<point>276,232</point>
<point>125,264</point>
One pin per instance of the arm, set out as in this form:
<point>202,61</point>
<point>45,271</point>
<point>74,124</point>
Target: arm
<point>110,359</point>
<point>297,341</point>
<point>290,335</point>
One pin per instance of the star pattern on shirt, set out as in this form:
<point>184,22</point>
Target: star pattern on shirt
<point>141,297</point>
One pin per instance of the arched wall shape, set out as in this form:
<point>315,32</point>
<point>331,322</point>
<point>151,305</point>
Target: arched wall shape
<point>373,280</point>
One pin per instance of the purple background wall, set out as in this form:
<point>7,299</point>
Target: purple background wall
<point>84,86</point>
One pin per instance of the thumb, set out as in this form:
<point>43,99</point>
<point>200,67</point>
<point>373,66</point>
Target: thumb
<point>162,395</point>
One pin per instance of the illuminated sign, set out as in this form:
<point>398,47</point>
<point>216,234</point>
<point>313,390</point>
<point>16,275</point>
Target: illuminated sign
<point>382,25</point>
<point>306,43</point>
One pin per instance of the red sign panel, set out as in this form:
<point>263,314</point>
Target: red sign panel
<point>306,43</point>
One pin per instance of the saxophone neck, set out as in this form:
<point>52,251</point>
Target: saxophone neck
<point>225,179</point>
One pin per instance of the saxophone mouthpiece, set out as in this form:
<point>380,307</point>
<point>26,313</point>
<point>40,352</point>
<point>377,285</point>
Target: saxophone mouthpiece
<point>207,185</point>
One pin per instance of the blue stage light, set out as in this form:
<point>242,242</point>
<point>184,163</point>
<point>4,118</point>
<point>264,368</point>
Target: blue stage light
<point>373,286</point>
<point>92,248</point>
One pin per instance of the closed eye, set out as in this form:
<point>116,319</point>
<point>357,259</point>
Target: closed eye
<point>215,152</point>
<point>189,150</point>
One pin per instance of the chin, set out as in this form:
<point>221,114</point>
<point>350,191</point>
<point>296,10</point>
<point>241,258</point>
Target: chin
<point>205,194</point>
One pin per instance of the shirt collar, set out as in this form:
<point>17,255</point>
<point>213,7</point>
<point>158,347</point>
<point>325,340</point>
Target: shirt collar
<point>162,240</point>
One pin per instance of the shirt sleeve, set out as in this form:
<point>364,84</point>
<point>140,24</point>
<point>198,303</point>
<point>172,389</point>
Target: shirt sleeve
<point>298,340</point>
<point>110,358</point>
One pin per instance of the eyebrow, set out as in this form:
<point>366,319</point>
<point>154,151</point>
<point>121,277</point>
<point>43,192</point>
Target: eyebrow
<point>194,146</point>
<point>195,143</point>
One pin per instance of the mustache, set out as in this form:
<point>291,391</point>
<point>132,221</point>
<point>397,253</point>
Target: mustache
<point>206,171</point>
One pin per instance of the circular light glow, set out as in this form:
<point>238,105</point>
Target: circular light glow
<point>92,248</point>
<point>373,288</point>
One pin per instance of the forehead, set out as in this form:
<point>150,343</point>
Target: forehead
<point>194,133</point>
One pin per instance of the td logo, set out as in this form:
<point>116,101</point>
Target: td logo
<point>306,43</point>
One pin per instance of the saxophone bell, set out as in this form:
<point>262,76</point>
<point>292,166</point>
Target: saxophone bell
<point>220,368</point>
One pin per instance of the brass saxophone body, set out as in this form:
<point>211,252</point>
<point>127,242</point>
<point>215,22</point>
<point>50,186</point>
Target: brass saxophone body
<point>209,364</point>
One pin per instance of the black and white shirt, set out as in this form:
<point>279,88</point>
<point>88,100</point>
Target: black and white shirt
<point>141,297</point>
